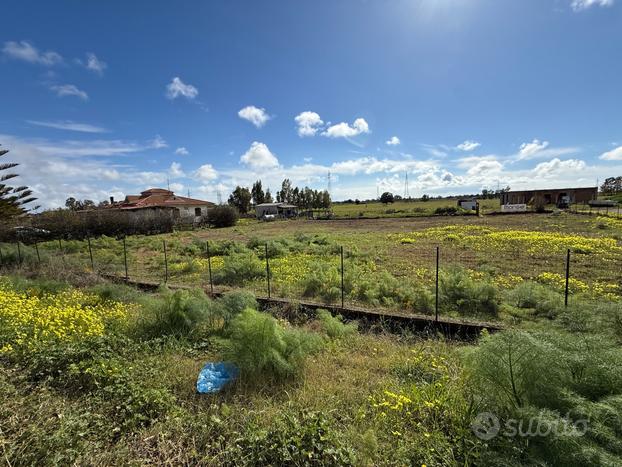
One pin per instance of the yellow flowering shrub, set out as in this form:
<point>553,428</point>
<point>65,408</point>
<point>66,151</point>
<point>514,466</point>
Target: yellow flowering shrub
<point>596,289</point>
<point>197,265</point>
<point>26,320</point>
<point>486,238</point>
<point>507,281</point>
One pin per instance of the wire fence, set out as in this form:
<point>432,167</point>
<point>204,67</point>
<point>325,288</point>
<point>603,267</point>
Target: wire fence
<point>343,277</point>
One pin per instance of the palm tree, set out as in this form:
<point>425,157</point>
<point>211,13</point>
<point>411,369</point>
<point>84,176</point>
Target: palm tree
<point>12,200</point>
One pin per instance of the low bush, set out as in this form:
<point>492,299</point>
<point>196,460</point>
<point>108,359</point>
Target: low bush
<point>177,313</point>
<point>223,216</point>
<point>239,268</point>
<point>544,301</point>
<point>132,403</point>
<point>115,292</point>
<point>263,349</point>
<point>460,292</point>
<point>230,305</point>
<point>383,289</point>
<point>305,439</point>
<point>547,381</point>
<point>324,281</point>
<point>333,326</point>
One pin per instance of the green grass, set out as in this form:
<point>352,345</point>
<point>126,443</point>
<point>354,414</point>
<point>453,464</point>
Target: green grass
<point>317,392</point>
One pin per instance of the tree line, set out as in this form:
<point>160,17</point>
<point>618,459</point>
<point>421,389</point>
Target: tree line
<point>305,198</point>
<point>611,186</point>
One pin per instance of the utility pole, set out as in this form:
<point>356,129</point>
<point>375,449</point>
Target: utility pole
<point>330,188</point>
<point>406,191</point>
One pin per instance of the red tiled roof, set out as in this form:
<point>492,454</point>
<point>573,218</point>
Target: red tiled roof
<point>158,197</point>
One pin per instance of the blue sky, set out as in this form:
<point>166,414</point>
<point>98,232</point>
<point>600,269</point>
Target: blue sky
<point>110,98</point>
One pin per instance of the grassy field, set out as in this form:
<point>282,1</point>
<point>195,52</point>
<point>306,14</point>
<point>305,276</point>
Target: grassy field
<point>387,262</point>
<point>403,208</point>
<point>101,374</point>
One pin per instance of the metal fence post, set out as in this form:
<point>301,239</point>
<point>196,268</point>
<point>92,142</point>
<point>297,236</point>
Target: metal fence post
<point>268,270</point>
<point>437,264</point>
<point>1,257</point>
<point>19,253</point>
<point>127,276</point>
<point>165,262</point>
<point>60,246</point>
<point>342,282</point>
<point>88,241</point>
<point>567,278</point>
<point>209,269</point>
<point>37,250</point>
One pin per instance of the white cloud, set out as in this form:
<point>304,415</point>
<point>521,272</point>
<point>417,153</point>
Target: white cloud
<point>259,156</point>
<point>158,142</point>
<point>439,151</point>
<point>542,149</point>
<point>309,123</point>
<point>27,52</point>
<point>93,148</point>
<point>206,173</point>
<point>70,126</point>
<point>177,187</point>
<point>613,155</point>
<point>485,167</point>
<point>556,166</point>
<point>470,161</point>
<point>468,145</point>
<point>95,64</point>
<point>579,5</point>
<point>175,170</point>
<point>530,150</point>
<point>63,90</point>
<point>255,115</point>
<point>393,141</point>
<point>182,151</point>
<point>344,130</point>
<point>178,88</point>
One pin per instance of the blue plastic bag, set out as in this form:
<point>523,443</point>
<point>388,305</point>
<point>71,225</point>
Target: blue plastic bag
<point>214,376</point>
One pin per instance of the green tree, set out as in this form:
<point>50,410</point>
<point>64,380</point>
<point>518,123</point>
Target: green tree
<point>386,197</point>
<point>611,185</point>
<point>13,201</point>
<point>286,194</point>
<point>257,193</point>
<point>268,196</point>
<point>241,199</point>
<point>78,205</point>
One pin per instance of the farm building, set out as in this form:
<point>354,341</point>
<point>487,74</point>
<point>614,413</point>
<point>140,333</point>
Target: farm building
<point>182,209</point>
<point>559,197</point>
<point>286,210</point>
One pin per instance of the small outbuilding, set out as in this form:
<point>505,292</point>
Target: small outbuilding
<point>468,204</point>
<point>273,210</point>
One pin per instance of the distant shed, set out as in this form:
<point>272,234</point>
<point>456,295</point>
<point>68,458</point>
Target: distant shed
<point>275,209</point>
<point>555,196</point>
